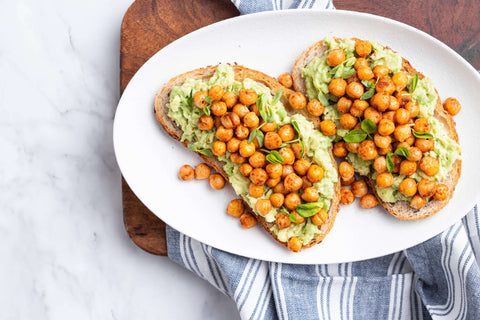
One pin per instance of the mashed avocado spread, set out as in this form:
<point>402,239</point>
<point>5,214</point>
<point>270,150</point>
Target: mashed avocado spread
<point>318,75</point>
<point>186,116</point>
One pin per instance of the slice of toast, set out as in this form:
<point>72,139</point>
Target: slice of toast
<point>399,209</point>
<point>241,73</point>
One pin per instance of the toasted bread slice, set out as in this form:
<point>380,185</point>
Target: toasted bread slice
<point>241,73</point>
<point>399,209</point>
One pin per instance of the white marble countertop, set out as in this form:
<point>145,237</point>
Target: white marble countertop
<point>65,252</point>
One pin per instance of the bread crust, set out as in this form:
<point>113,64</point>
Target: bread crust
<point>241,73</point>
<point>399,209</point>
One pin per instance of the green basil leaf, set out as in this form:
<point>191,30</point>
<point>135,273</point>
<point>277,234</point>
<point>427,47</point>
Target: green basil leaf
<point>260,137</point>
<point>192,147</point>
<point>323,99</point>
<point>277,156</point>
<point>295,126</point>
<point>292,217</point>
<point>252,135</point>
<point>422,135</point>
<point>271,158</point>
<point>206,152</point>
<point>369,126</point>
<point>208,99</point>
<point>206,110</point>
<point>303,148</point>
<point>339,72</point>
<point>347,73</point>
<point>367,94</point>
<point>350,62</point>
<point>309,209</point>
<point>283,209</point>
<point>277,97</point>
<point>390,164</point>
<point>334,70</point>
<point>414,83</point>
<point>368,84</point>
<point>402,151</point>
<point>356,135</point>
<point>261,108</point>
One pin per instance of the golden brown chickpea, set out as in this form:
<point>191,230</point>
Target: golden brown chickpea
<point>202,171</point>
<point>286,132</point>
<point>354,90</point>
<point>358,108</point>
<point>452,106</point>
<point>310,194</point>
<point>199,99</point>
<point>396,163</point>
<point>346,196</point>
<point>297,150</point>
<point>380,101</point>
<point>285,80</point>
<point>402,132</point>
<point>441,192</point>
<point>347,182</point>
<point>301,166</point>
<point>298,217</point>
<point>216,181</point>
<point>394,105</point>
<point>245,169</point>
<point>257,160</point>
<point>292,200</point>
<point>380,71</point>
<point>344,105</point>
<point>418,202</point>
<point>219,148</point>
<point>277,199</point>
<point>218,108</point>
<point>413,108</point>
<point>186,173</point>
<point>240,110</point>
<point>306,183</point>
<point>367,150</point>
<point>407,168</point>
<point>385,84</point>
<point>335,57</point>
<point>337,87</point>
<point>247,96</point>
<point>359,188</point>
<point>372,114</point>
<point>205,122</point>
<point>268,126</point>
<point>368,201</point>
<point>408,187</point>
<point>380,164</point>
<point>384,180</point>
<point>400,80</point>
<point>382,141</point>
<point>320,217</point>
<point>242,132</point>
<point>258,176</point>
<point>224,134</point>
<point>286,170</point>
<point>346,170</point>
<point>328,127</point>
<point>287,155</point>
<point>292,182</point>
<point>385,151</point>
<point>230,120</point>
<point>255,191</point>
<point>426,188</point>
<point>402,116</point>
<point>246,149</point>
<point>217,121</point>
<point>263,206</point>
<point>274,170</point>
<point>297,100</point>
<point>425,145</point>
<point>352,146</point>
<point>403,98</point>
<point>363,48</point>
<point>272,140</point>
<point>247,220</point>
<point>386,127</point>
<point>294,244</point>
<point>282,220</point>
<point>361,62</point>
<point>237,158</point>
<point>315,173</point>
<point>348,121</point>
<point>410,141</point>
<point>315,108</point>
<point>215,92</point>
<point>235,208</point>
<point>230,99</point>
<point>273,182</point>
<point>233,145</point>
<point>251,120</point>
<point>422,125</point>
<point>397,145</point>
<point>339,149</point>
<point>429,165</point>
<point>280,188</point>
<point>254,109</point>
<point>364,73</point>
<point>389,115</point>
<point>415,154</point>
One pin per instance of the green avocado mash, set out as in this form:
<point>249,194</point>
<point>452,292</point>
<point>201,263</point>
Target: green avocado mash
<point>186,115</point>
<point>318,75</point>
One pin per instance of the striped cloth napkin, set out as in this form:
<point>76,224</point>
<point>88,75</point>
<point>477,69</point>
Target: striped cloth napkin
<point>438,279</point>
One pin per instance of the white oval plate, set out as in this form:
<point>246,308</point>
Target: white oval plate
<point>270,41</point>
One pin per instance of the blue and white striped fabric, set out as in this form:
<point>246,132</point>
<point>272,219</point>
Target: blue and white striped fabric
<point>438,279</point>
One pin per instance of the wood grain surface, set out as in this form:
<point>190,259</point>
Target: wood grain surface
<point>150,25</point>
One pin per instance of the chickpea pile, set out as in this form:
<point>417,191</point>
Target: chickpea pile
<point>201,172</point>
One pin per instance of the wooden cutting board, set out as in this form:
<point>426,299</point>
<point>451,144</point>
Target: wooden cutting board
<point>149,25</point>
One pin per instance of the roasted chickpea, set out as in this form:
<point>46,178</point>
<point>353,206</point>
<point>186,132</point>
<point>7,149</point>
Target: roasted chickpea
<point>335,57</point>
<point>348,121</point>
<point>218,108</point>
<point>418,202</point>
<point>251,120</point>
<point>299,219</point>
<point>385,151</point>
<point>273,182</point>
<point>358,108</point>
<point>354,90</point>
<point>380,101</point>
<point>422,125</point>
<point>352,146</point>
<point>359,188</point>
<point>186,173</point>
<point>315,108</point>
<point>382,141</point>
<point>407,168</point>
<point>363,48</point>
<point>426,188</point>
<point>385,84</point>
<point>452,106</point>
<point>320,217</point>
<point>403,98</point>
<point>389,115</point>
<point>240,110</point>
<point>315,173</point>
<point>258,176</point>
<point>372,114</point>
<point>294,244</point>
<point>277,199</point>
<point>306,183</point>
<point>413,108</point>
<point>287,155</point>
<point>247,96</point>
<point>216,181</point>
<point>361,62</point>
<point>386,127</point>
<point>367,150</point>
<point>339,149</point>
<point>310,194</point>
<point>346,170</point>
<point>224,134</point>
<point>301,166</point>
<point>286,132</point>
<point>199,99</point>
<point>337,87</point>
<point>246,149</point>
<point>368,201</point>
<point>347,182</point>
<point>205,122</point>
<point>233,145</point>
<point>219,148</point>
<point>380,164</point>
<point>282,220</point>
<point>297,100</point>
<point>286,170</point>
<point>400,80</point>
<point>415,154</point>
<point>247,220</point>
<point>235,208</point>
<point>402,132</point>
<point>384,180</point>
<point>230,99</point>
<point>254,109</point>
<point>257,160</point>
<point>245,169</point>
<point>364,73</point>
<point>268,126</point>
<point>272,140</point>
<point>425,145</point>
<point>297,150</point>
<point>402,116</point>
<point>255,191</point>
<point>230,120</point>
<point>263,206</point>
<point>429,165</point>
<point>242,132</point>
<point>404,144</point>
<point>346,196</point>
<point>394,105</point>
<point>280,188</point>
<point>274,170</point>
<point>285,80</point>
<point>410,141</point>
<point>237,158</point>
<point>292,200</point>
<point>215,92</point>
<point>408,187</point>
<point>441,192</point>
<point>344,105</point>
<point>328,127</point>
<point>202,171</point>
<point>380,71</point>
<point>292,182</point>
